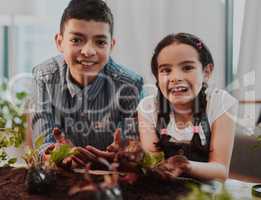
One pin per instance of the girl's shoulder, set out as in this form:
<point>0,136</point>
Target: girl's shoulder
<point>220,96</point>
<point>219,102</point>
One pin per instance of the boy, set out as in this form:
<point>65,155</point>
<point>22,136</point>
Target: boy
<point>84,92</point>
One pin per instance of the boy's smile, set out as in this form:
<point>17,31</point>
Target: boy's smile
<point>86,46</point>
<point>180,74</point>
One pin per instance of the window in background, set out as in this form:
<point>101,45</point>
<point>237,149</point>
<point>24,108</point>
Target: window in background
<point>34,44</point>
<point>35,40</point>
<point>239,11</point>
<point>1,52</point>
<point>33,37</point>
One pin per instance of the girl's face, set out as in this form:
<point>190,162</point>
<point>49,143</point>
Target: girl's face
<point>181,74</point>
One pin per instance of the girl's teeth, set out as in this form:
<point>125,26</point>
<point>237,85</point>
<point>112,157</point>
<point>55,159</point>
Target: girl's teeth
<point>180,89</point>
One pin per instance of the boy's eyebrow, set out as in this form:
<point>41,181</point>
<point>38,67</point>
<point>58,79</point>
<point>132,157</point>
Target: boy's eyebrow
<point>187,62</point>
<point>82,35</point>
<point>101,36</point>
<point>76,33</point>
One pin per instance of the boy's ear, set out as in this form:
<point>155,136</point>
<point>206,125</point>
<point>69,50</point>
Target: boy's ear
<point>113,42</point>
<point>208,71</point>
<point>58,41</point>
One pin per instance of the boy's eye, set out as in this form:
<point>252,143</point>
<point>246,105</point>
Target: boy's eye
<point>75,40</point>
<point>187,67</point>
<point>101,43</point>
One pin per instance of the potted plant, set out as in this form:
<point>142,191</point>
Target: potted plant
<point>12,124</point>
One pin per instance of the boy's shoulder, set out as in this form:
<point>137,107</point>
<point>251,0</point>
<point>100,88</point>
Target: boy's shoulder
<point>50,67</point>
<point>122,74</point>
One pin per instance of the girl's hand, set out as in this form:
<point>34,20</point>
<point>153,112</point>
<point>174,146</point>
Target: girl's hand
<point>172,167</point>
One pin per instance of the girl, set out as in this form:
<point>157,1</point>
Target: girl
<point>187,118</point>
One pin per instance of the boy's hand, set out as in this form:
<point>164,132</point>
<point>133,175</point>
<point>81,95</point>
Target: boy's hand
<point>59,140</point>
<point>115,146</point>
<point>111,150</point>
<point>96,157</point>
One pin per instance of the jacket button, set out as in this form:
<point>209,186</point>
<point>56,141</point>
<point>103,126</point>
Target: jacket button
<point>114,75</point>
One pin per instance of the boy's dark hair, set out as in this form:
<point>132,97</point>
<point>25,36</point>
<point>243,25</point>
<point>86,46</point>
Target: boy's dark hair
<point>96,10</point>
<point>200,102</point>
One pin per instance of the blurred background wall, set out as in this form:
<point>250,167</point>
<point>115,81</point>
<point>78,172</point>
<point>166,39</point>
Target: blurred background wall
<point>139,25</point>
<point>230,29</point>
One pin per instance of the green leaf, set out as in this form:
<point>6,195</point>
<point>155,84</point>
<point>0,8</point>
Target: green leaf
<point>21,95</point>
<point>151,160</point>
<point>59,154</point>
<point>39,141</point>
<point>3,155</point>
<point>12,161</point>
<point>3,87</point>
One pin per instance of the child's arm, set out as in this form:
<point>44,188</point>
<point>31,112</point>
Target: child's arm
<point>222,140</point>
<point>148,136</point>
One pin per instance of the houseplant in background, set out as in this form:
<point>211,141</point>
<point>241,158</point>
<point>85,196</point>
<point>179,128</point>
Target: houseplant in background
<point>12,123</point>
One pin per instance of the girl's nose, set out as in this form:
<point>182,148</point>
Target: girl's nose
<point>175,76</point>
<point>88,49</point>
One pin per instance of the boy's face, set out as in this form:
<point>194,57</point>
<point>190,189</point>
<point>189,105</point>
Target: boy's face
<point>86,46</point>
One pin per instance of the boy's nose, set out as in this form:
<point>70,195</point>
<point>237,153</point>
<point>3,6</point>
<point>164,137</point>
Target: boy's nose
<point>88,50</point>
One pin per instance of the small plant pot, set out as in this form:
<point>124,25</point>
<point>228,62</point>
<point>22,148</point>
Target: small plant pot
<point>39,181</point>
<point>256,192</point>
<point>109,194</point>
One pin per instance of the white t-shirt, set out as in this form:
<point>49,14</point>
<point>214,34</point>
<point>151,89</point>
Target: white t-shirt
<point>218,102</point>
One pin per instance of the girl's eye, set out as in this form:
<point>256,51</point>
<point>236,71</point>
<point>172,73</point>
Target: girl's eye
<point>165,70</point>
<point>101,43</point>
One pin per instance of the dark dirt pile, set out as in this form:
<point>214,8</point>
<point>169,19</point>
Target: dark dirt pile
<point>13,187</point>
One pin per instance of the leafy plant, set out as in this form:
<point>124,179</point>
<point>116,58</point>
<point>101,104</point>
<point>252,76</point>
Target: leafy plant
<point>31,156</point>
<point>258,145</point>
<point>57,155</point>
<point>12,123</point>
<point>60,153</point>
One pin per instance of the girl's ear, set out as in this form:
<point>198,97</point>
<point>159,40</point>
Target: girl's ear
<point>208,71</point>
<point>58,41</point>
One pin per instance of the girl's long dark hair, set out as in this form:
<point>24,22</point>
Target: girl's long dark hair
<point>205,58</point>
<point>200,102</point>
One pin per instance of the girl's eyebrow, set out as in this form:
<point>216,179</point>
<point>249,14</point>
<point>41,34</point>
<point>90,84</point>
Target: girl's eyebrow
<point>164,65</point>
